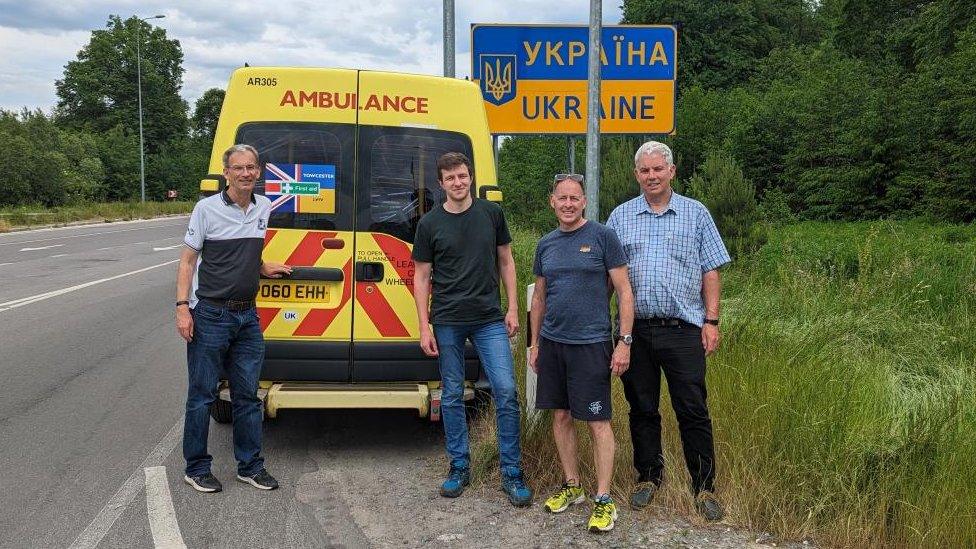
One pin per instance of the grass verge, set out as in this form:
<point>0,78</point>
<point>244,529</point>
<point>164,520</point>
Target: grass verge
<point>31,216</point>
<point>842,397</point>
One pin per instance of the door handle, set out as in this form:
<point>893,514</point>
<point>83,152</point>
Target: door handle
<point>369,271</point>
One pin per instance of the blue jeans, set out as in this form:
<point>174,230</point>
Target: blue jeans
<point>491,342</point>
<point>230,341</point>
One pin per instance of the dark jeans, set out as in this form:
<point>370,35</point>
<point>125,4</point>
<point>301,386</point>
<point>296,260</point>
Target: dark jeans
<point>231,340</point>
<point>677,350</point>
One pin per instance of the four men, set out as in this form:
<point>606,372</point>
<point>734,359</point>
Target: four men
<point>660,252</point>
<point>572,348</point>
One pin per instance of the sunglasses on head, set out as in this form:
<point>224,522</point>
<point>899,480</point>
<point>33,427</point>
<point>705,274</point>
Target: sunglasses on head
<point>564,176</point>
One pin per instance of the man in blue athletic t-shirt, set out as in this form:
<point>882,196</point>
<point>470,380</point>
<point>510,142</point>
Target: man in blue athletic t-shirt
<point>572,349</point>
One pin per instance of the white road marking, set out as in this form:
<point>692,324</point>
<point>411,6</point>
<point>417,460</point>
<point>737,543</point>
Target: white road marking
<point>40,247</point>
<point>7,263</point>
<point>89,234</point>
<point>159,504</point>
<point>47,295</point>
<point>117,504</point>
<point>59,255</point>
<point>167,248</point>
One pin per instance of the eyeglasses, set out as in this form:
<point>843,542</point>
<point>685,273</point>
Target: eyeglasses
<point>564,176</point>
<point>242,169</point>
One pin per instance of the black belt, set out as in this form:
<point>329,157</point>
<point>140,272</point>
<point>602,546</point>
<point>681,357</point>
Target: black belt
<point>663,322</point>
<point>230,304</point>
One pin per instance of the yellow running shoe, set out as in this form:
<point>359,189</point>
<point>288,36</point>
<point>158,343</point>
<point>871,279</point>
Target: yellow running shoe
<point>566,496</point>
<point>604,513</point>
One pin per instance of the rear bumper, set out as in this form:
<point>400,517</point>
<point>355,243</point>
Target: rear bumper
<point>326,361</point>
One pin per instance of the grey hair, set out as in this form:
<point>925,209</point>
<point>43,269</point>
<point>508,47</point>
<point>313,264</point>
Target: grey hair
<point>654,147</point>
<point>239,148</point>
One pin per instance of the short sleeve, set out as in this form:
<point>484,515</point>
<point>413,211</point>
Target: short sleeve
<point>613,251</point>
<point>712,250</point>
<point>423,250</point>
<point>612,220</point>
<point>502,236</point>
<point>537,264</point>
<point>196,231</point>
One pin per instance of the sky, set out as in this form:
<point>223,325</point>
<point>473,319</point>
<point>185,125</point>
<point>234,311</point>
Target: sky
<point>38,37</point>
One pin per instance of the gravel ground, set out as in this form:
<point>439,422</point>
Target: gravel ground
<point>365,495</point>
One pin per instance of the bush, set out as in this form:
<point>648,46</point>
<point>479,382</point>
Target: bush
<point>731,199</point>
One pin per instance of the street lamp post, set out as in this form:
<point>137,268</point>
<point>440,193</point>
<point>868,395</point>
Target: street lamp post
<point>142,154</point>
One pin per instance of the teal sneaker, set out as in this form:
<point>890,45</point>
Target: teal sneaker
<point>514,487</point>
<point>457,480</point>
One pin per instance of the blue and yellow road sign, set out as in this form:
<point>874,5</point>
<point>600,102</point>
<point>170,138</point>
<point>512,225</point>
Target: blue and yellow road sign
<point>533,78</point>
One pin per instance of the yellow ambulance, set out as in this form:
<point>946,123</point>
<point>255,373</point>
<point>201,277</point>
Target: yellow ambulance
<point>349,163</point>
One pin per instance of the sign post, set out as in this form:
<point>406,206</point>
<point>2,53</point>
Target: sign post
<point>592,107</point>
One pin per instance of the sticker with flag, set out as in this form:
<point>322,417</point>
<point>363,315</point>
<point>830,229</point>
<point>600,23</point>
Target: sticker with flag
<point>300,188</point>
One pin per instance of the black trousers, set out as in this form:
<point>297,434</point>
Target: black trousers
<point>677,351</point>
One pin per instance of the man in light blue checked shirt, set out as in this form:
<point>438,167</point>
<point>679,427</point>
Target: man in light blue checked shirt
<point>673,252</point>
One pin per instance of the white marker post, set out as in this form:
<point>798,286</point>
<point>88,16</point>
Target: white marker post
<point>530,377</point>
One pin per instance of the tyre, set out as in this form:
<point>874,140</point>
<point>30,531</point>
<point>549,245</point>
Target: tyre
<point>220,410</point>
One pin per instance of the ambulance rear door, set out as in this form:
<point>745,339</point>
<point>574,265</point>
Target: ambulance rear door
<point>405,124</point>
<point>308,155</point>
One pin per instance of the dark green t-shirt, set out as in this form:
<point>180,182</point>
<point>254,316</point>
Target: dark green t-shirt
<point>462,249</point>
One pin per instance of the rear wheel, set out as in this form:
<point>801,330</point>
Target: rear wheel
<point>220,410</point>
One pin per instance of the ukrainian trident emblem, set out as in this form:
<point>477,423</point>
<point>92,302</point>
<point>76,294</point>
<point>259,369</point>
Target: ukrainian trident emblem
<point>498,78</point>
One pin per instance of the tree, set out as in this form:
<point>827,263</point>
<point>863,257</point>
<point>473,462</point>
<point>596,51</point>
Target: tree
<point>720,42</point>
<point>207,112</point>
<point>731,200</point>
<point>44,164</point>
<point>98,91</point>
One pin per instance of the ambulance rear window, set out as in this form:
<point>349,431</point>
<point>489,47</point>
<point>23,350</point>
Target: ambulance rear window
<point>399,169</point>
<point>307,171</point>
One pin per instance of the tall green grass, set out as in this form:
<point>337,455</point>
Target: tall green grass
<point>843,396</point>
<point>30,216</point>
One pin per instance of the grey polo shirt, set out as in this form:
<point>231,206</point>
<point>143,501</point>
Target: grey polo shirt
<point>229,240</point>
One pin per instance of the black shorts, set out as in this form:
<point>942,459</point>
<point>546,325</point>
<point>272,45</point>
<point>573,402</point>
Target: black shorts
<point>574,378</point>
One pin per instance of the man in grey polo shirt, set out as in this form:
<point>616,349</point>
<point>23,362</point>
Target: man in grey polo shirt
<point>215,313</point>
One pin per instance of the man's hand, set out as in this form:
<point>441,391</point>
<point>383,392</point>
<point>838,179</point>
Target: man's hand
<point>274,270</point>
<point>184,323</point>
<point>710,338</point>
<point>428,344</point>
<point>620,360</point>
<point>512,322</point>
<point>533,356</point>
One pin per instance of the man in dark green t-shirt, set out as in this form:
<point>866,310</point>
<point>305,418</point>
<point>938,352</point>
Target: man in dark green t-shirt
<point>460,249</point>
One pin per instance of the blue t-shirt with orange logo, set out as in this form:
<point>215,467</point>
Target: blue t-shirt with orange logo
<point>575,265</point>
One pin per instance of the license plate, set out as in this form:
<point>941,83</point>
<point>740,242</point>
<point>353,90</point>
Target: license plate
<point>293,292</point>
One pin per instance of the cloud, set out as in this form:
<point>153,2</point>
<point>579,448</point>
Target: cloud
<point>217,36</point>
<point>32,61</point>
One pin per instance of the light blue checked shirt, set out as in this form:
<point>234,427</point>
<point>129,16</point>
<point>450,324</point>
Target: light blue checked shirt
<point>667,254</point>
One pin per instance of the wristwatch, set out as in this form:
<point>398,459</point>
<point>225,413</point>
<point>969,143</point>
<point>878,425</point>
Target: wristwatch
<point>627,339</point>
<point>183,302</point>
<point>712,321</point>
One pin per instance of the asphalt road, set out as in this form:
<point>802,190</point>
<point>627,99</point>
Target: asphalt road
<point>93,377</point>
